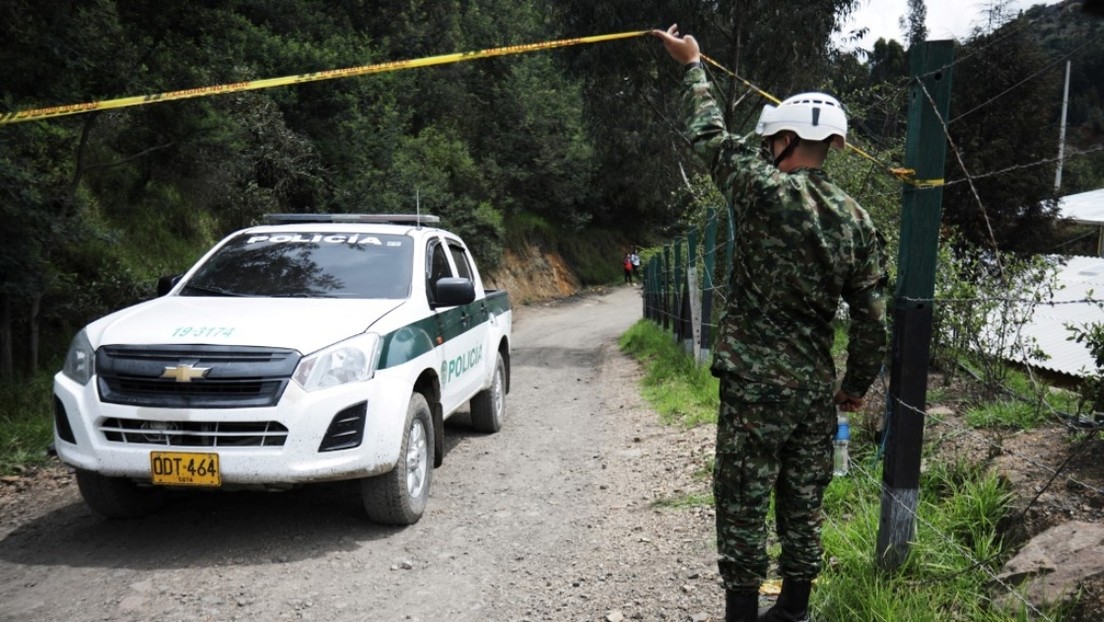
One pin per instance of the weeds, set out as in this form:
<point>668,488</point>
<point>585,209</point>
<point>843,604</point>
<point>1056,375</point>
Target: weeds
<point>687,500</point>
<point>1004,413</point>
<point>26,423</point>
<point>678,388</point>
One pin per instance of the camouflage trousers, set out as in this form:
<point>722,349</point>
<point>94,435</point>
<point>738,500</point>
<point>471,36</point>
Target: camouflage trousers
<point>770,437</point>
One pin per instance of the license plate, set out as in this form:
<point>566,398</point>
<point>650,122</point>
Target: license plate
<point>172,468</point>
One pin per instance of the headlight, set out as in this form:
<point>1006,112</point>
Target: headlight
<point>80,362</point>
<point>353,360</point>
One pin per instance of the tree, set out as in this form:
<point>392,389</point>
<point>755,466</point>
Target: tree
<point>632,89</point>
<point>914,22</point>
<point>1001,104</point>
<point>874,93</point>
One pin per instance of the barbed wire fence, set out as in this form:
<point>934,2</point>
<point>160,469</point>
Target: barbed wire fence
<point>685,289</point>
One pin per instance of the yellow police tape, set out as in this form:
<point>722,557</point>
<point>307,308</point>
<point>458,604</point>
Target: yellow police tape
<point>751,86</point>
<point>38,114</point>
<point>905,175</point>
<point>252,85</point>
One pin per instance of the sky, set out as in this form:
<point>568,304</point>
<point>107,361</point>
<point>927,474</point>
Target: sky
<point>947,19</point>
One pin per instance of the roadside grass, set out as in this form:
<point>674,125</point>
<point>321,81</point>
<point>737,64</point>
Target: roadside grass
<point>26,423</point>
<point>682,391</point>
<point>954,556</point>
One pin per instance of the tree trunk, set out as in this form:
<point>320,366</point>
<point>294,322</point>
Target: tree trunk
<point>80,166</point>
<point>36,306</point>
<point>7,360</point>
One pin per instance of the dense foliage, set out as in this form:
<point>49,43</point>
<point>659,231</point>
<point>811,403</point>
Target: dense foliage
<point>93,207</point>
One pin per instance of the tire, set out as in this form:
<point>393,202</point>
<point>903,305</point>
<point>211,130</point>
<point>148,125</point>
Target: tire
<point>400,496</point>
<point>117,497</point>
<point>488,407</point>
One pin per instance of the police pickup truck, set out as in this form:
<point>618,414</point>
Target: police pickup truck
<point>313,348</point>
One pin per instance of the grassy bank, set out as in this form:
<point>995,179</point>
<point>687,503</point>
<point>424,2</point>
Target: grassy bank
<point>26,423</point>
<point>679,390</point>
<point>958,547</point>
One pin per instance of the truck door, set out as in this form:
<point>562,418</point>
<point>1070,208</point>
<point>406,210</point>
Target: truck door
<point>462,329</point>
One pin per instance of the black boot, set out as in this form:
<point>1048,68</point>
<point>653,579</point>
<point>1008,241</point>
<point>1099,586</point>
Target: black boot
<point>742,605</point>
<point>792,604</point>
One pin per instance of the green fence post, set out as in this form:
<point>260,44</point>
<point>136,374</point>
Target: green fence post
<point>676,300</point>
<point>925,152</point>
<point>653,288</point>
<point>666,287</point>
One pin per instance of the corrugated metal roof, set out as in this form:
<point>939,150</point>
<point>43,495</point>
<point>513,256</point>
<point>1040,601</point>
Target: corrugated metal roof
<point>1078,280</point>
<point>1086,208</point>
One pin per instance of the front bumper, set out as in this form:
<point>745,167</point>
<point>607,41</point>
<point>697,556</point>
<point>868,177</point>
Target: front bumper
<point>96,444</point>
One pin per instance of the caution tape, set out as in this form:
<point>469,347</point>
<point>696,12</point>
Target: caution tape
<point>905,175</point>
<point>331,74</point>
<point>751,86</point>
<point>38,114</point>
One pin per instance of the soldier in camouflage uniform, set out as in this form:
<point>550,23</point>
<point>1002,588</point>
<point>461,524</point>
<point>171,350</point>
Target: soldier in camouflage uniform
<point>802,244</point>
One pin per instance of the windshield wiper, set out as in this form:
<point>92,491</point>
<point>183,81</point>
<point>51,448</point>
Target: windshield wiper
<point>218,291</point>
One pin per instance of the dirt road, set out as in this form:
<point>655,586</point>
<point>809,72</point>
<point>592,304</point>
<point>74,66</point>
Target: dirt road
<point>554,518</point>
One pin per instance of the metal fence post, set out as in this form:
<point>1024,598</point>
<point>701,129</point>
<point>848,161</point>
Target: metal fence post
<point>666,287</point>
<point>676,301</point>
<point>925,152</point>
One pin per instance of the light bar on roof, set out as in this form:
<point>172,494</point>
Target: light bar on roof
<point>375,219</point>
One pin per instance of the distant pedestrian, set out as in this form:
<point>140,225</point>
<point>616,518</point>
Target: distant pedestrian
<point>627,264</point>
<point>801,244</point>
<point>635,258</point>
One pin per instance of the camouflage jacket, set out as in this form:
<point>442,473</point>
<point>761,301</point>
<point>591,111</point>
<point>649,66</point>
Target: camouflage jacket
<point>802,244</point>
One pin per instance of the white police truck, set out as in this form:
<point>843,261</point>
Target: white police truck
<point>313,348</point>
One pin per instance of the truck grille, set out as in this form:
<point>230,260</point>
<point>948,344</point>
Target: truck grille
<point>194,376</point>
<point>195,433</point>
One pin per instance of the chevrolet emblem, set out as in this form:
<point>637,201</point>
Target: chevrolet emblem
<point>185,372</point>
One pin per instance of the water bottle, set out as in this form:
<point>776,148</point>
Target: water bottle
<point>841,460</point>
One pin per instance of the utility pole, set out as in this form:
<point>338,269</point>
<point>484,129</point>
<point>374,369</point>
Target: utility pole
<point>925,153</point>
<point>1062,133</point>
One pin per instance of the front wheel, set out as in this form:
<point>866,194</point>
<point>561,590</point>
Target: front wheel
<point>488,407</point>
<point>117,497</point>
<point>400,496</point>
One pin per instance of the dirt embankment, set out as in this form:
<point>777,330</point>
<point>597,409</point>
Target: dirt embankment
<point>533,275</point>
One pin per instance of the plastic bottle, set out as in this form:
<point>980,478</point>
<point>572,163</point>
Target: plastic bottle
<point>841,459</point>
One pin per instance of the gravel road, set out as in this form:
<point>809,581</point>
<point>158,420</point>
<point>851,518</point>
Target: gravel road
<point>557,517</point>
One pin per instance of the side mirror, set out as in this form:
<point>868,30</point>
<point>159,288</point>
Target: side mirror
<point>166,283</point>
<point>454,291</point>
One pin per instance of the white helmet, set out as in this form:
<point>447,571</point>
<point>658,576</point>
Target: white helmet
<point>812,116</point>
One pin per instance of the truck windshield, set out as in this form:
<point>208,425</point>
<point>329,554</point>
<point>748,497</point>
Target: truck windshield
<point>307,265</point>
